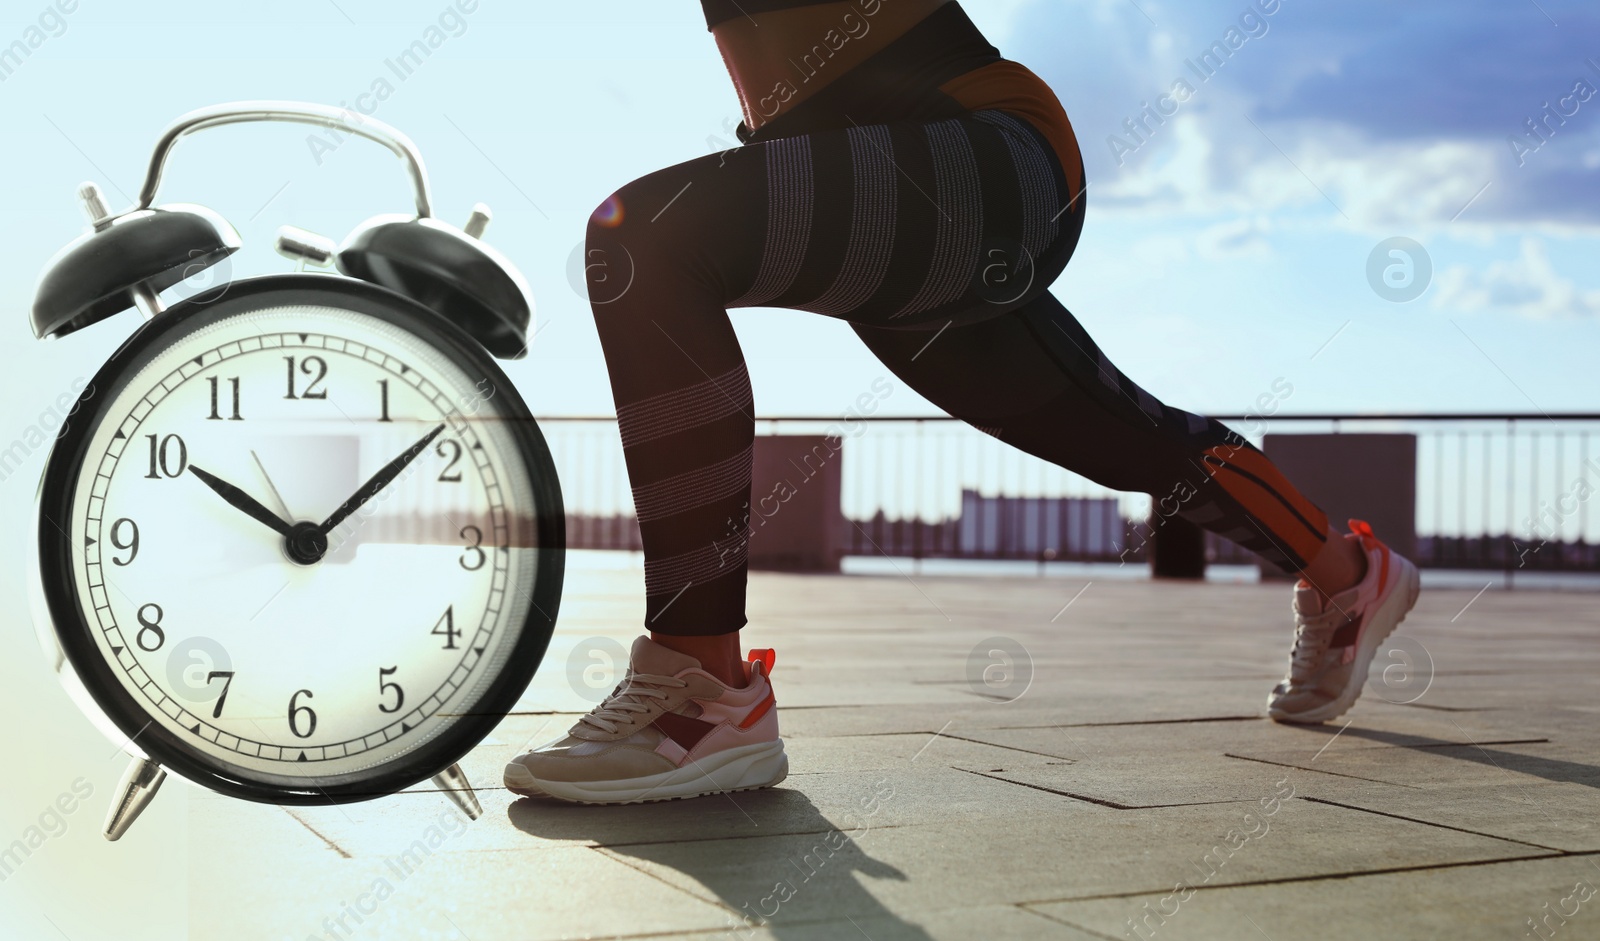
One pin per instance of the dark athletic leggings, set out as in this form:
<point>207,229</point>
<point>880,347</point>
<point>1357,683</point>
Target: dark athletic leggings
<point>935,236</point>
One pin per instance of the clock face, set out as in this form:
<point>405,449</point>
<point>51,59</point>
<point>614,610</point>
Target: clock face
<point>388,609</point>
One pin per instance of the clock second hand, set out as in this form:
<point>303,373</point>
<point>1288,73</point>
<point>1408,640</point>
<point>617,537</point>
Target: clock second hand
<point>283,506</point>
<point>379,480</point>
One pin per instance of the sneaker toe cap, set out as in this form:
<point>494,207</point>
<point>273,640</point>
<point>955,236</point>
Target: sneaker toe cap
<point>518,777</point>
<point>1288,702</point>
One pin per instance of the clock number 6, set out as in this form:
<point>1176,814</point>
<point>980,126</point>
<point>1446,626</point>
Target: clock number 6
<point>474,551</point>
<point>384,687</point>
<point>294,715</point>
<point>150,624</point>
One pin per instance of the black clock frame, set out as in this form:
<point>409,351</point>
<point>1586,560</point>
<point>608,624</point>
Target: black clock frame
<point>57,556</point>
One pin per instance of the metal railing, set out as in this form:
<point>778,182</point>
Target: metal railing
<point>1495,491</point>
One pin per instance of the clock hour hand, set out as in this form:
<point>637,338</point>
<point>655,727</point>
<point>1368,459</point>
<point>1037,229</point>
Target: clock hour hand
<point>379,480</point>
<point>240,500</point>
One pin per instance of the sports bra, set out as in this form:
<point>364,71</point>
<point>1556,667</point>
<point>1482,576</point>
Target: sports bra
<point>721,11</point>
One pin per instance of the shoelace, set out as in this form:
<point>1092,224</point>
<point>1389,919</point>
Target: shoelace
<point>1311,638</point>
<point>629,700</point>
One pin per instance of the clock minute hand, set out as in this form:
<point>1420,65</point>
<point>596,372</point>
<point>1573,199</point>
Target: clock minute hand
<point>379,480</point>
<point>241,500</point>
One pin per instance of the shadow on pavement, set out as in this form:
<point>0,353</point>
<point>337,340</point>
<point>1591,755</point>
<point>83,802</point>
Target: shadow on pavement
<point>777,863</point>
<point>1551,769</point>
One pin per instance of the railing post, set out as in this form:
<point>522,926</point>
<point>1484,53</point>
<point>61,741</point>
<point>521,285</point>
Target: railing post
<point>1177,547</point>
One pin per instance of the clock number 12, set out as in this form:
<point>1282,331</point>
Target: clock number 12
<point>313,366</point>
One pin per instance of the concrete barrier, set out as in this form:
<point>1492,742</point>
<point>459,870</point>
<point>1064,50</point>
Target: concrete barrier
<point>1370,477</point>
<point>796,524</point>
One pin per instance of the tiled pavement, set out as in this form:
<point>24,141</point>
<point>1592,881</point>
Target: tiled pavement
<point>1132,777</point>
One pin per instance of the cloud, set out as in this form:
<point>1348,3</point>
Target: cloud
<point>1395,112</point>
<point>1235,239</point>
<point>1528,285</point>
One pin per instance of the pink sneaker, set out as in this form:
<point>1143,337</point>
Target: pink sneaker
<point>668,730</point>
<point>1334,645</point>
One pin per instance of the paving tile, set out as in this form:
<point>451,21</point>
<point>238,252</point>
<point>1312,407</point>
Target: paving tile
<point>990,922</point>
<point>1133,782</point>
<point>229,832</point>
<point>816,755</point>
<point>489,895</point>
<point>390,825</point>
<point>1559,816</point>
<point>1463,904</point>
<point>1175,763</point>
<point>1047,857</point>
<point>1485,762</point>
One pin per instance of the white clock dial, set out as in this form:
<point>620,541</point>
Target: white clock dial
<point>289,666</point>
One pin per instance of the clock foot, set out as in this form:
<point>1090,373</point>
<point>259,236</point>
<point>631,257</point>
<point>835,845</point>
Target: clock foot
<point>139,785</point>
<point>453,781</point>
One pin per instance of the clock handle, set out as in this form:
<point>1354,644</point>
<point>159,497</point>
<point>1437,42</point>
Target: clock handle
<point>139,784</point>
<point>453,781</point>
<point>295,112</point>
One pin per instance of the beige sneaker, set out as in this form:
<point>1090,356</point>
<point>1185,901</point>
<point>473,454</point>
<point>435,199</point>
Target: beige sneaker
<point>1334,645</point>
<point>668,730</point>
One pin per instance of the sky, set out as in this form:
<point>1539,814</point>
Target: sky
<point>1229,243</point>
<point>1223,251</point>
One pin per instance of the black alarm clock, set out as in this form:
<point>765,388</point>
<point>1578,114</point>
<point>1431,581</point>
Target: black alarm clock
<point>301,540</point>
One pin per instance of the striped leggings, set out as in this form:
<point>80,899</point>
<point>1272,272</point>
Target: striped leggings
<point>935,237</point>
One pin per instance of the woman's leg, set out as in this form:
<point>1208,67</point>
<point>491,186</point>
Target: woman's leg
<point>660,254</point>
<point>1034,379</point>
<point>891,224</point>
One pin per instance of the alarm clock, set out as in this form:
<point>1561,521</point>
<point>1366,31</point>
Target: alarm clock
<point>300,541</point>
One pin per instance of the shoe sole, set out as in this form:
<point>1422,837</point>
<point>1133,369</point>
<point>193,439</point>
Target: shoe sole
<point>1383,623</point>
<point>747,768</point>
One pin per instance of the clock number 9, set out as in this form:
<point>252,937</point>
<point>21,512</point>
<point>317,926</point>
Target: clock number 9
<point>309,365</point>
<point>132,545</point>
<point>474,551</point>
<point>150,624</point>
<point>161,455</point>
<point>295,711</point>
<point>384,687</point>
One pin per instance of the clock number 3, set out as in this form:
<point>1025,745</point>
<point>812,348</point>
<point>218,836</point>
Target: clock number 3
<point>474,552</point>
